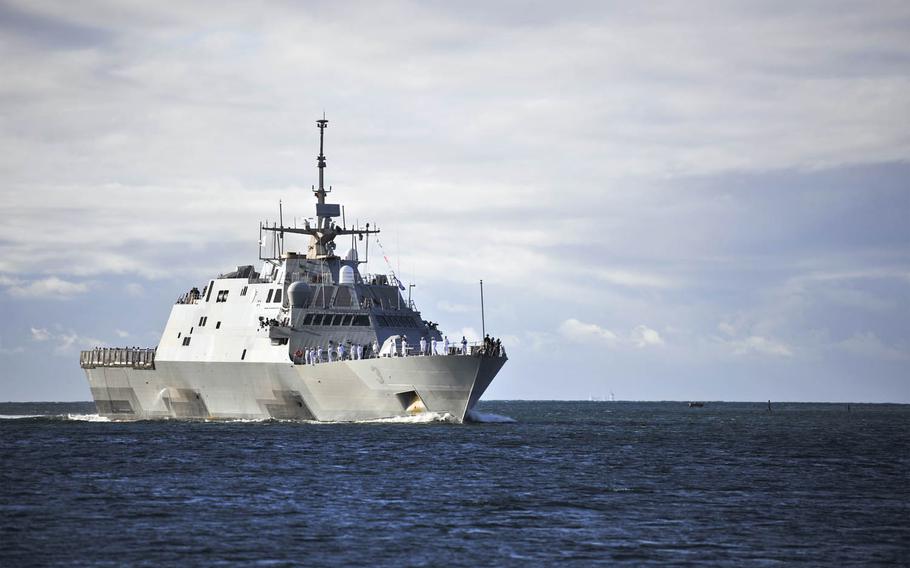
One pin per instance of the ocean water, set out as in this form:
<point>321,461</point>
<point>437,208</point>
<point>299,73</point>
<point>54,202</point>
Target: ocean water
<point>531,483</point>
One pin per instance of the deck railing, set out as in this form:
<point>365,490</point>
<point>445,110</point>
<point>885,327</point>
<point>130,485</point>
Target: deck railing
<point>132,357</point>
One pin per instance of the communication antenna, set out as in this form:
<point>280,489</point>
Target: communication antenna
<point>281,225</point>
<point>483,325</point>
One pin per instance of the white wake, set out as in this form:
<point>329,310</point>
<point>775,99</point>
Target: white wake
<point>87,418</point>
<point>19,416</point>
<point>422,418</point>
<point>475,416</point>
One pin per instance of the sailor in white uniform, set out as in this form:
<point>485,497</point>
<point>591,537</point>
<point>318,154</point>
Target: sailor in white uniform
<point>306,356</point>
<point>464,346</point>
<point>404,345</point>
<point>445,345</point>
<point>423,345</point>
<point>433,347</point>
<point>319,354</point>
<point>375,348</point>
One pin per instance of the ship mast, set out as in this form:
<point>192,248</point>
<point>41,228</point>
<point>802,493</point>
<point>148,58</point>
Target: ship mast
<point>320,160</point>
<point>322,236</point>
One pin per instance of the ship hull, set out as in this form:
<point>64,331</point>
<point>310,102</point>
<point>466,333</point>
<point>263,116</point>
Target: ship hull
<point>339,391</point>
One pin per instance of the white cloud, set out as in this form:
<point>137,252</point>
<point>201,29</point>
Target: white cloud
<point>634,279</point>
<point>643,336</point>
<point>135,289</point>
<point>581,332</point>
<point>120,333</point>
<point>64,341</point>
<point>639,337</point>
<point>10,350</point>
<point>69,341</point>
<point>726,328</point>
<point>453,308</point>
<point>40,334</point>
<point>51,288</point>
<point>869,345</point>
<point>756,344</point>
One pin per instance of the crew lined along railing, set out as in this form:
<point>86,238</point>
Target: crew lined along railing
<point>348,352</point>
<point>133,357</point>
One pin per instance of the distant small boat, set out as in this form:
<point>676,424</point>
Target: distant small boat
<point>696,404</point>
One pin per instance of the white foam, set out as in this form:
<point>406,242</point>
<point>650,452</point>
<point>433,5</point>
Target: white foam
<point>19,416</point>
<point>421,418</point>
<point>474,416</point>
<point>87,418</point>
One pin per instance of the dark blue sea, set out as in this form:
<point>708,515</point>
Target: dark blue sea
<point>568,483</point>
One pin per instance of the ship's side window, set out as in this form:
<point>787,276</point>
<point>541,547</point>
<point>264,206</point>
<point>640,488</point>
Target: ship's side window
<point>208,295</point>
<point>361,320</point>
<point>243,355</point>
<point>308,319</point>
<point>218,325</point>
<point>179,334</point>
<point>201,322</point>
<point>243,290</point>
<point>277,297</point>
<point>186,341</point>
<point>347,320</point>
<point>191,331</point>
<point>337,319</point>
<point>317,319</point>
<point>269,298</point>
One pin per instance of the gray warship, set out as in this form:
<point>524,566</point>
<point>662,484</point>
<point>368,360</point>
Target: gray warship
<point>307,337</point>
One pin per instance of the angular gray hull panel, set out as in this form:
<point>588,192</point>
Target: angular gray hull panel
<point>341,391</point>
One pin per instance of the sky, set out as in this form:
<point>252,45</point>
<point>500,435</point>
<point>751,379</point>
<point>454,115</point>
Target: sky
<point>665,201</point>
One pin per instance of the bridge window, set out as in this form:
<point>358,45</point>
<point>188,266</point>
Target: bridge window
<point>277,297</point>
<point>243,290</point>
<point>203,320</point>
<point>346,320</point>
<point>308,319</point>
<point>243,355</point>
<point>218,325</point>
<point>336,320</point>
<point>361,320</point>
<point>269,297</point>
<point>186,341</point>
<point>317,319</point>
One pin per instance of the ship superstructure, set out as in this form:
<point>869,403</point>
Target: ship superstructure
<point>305,337</point>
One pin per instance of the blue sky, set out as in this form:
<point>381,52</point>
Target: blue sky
<point>699,201</point>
